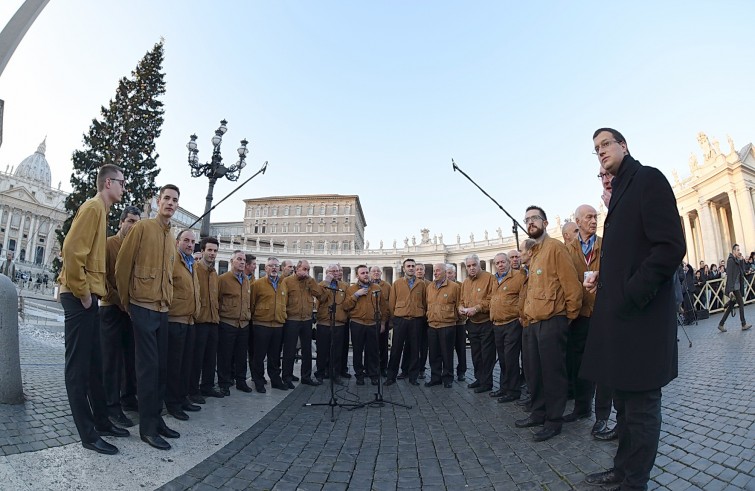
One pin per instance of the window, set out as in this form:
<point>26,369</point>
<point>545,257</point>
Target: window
<point>286,210</point>
<point>345,245</point>
<point>285,228</point>
<point>334,247</point>
<point>321,227</point>
<point>256,226</point>
<point>311,210</point>
<point>347,209</point>
<point>249,213</point>
<point>334,210</point>
<point>333,227</point>
<point>320,245</point>
<point>258,212</point>
<point>307,246</point>
<point>322,209</point>
<point>309,227</point>
<point>297,227</point>
<point>275,211</point>
<point>298,210</point>
<point>264,211</point>
<point>274,228</point>
<point>264,226</point>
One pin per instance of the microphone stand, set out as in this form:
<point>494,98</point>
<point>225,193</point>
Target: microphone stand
<point>378,401</point>
<point>333,402</point>
<point>516,225</point>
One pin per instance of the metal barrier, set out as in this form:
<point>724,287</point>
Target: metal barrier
<point>713,295</point>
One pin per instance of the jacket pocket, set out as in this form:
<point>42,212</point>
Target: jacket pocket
<point>145,285</point>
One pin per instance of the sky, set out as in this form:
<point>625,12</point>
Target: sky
<point>376,98</point>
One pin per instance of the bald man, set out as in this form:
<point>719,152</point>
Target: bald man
<point>516,259</point>
<point>569,231</point>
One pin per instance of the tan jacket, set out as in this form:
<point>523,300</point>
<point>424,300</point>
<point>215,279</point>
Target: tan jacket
<point>83,270</point>
<point>323,315</point>
<point>144,268</point>
<point>234,300</point>
<point>301,296</point>
<point>208,294</point>
<point>111,254</point>
<point>582,265</point>
<point>552,288</point>
<point>406,302</point>
<point>362,309</point>
<point>185,305</point>
<point>505,300</point>
<point>443,304</point>
<point>268,305</point>
<point>476,292</point>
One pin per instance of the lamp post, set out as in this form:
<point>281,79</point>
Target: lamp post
<point>215,168</point>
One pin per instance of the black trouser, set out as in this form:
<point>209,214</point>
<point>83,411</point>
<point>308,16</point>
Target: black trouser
<point>180,350</point>
<point>151,341</point>
<point>508,344</point>
<point>440,343</point>
<point>204,358</point>
<point>329,349</point>
<point>83,368</point>
<point>525,355</point>
<point>267,341</point>
<point>575,348</point>
<point>232,346</point>
<point>638,424</point>
<point>250,347</point>
<point>118,371</point>
<point>292,332</point>
<point>482,344</point>
<point>461,349</point>
<point>343,367</point>
<point>384,348</point>
<point>405,332</point>
<point>547,366</point>
<point>603,400</point>
<point>422,357</point>
<point>737,300</point>
<point>366,353</point>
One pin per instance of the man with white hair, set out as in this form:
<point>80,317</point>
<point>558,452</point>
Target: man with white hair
<point>475,306</point>
<point>460,344</point>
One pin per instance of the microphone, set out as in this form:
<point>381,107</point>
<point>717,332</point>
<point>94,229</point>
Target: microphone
<point>453,164</point>
<point>333,289</point>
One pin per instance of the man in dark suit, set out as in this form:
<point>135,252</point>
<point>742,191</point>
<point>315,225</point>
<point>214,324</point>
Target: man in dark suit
<point>735,282</point>
<point>631,345</point>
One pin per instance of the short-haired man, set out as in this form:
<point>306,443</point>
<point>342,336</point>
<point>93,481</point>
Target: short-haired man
<point>330,338</point>
<point>524,259</point>
<point>181,332</point>
<point>735,283</point>
<point>143,275</point>
<point>634,312</point>
<point>343,368</point>
<point>268,317</point>
<point>507,330</point>
<point>234,309</point>
<point>365,306</point>
<point>250,270</point>
<point>206,327</point>
<point>301,292</point>
<point>515,258</point>
<point>287,268</point>
<point>553,298</point>
<point>9,267</point>
<point>116,333</point>
<point>568,231</point>
<point>460,337</point>
<point>82,282</point>
<point>476,290</point>
<point>443,297</point>
<point>376,276</point>
<point>408,306</point>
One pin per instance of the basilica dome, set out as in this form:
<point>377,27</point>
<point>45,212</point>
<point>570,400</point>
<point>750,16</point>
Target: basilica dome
<point>35,167</point>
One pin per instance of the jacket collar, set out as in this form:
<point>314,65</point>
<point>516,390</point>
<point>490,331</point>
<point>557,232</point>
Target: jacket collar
<point>628,169</point>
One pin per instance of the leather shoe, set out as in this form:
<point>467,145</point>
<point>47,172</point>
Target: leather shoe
<point>573,416</point>
<point>101,446</point>
<point>603,478</point>
<point>413,382</point>
<point>546,434</point>
<point>121,420</point>
<point>156,441</point>
<point>524,402</point>
<point>225,392</point>
<point>508,398</point>
<point>260,388</point>
<point>212,392</point>
<point>289,384</point>
<point>390,381</point>
<point>360,380</point>
<point>243,387</point>
<point>197,399</point>
<point>279,385</point>
<point>167,432</point>
<point>193,408</point>
<point>528,422</point>
<point>402,376</point>
<point>482,388</point>
<point>448,385</point>
<point>498,393</point>
<point>346,375</point>
<point>433,383</point>
<point>460,378</point>
<point>178,414</point>
<point>294,378</point>
<point>312,382</point>
<point>130,406</point>
<point>473,385</point>
<point>113,431</point>
<point>599,426</point>
<point>607,435</point>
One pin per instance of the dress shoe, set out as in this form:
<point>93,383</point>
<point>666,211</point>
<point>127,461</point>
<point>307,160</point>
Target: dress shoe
<point>402,376</point>
<point>360,380</point>
<point>212,392</point>
<point>574,416</point>
<point>448,385</point>
<point>546,434</point>
<point>192,408</point>
<point>133,407</point>
<point>599,426</point>
<point>498,393</point>
<point>390,381</point>
<point>346,375</point>
<point>746,327</point>
<point>528,422</point>
<point>312,382</point>
<point>243,387</point>
<point>101,446</point>
<point>289,384</point>
<point>508,398</point>
<point>156,441</point>
<point>374,380</point>
<point>260,388</point>
<point>473,385</point>
<point>412,382</point>
<point>121,420</point>
<point>607,435</point>
<point>197,399</point>
<point>460,378</point>
<point>178,414</point>
<point>604,478</point>
<point>279,385</point>
<point>483,388</point>
<point>167,432</point>
<point>113,431</point>
<point>225,392</point>
<point>525,402</point>
<point>294,378</point>
<point>433,383</point>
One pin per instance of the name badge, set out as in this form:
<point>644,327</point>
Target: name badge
<point>539,271</point>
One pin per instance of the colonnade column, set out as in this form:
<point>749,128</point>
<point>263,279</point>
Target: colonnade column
<point>51,238</point>
<point>709,252</point>
<point>7,229</point>
<point>747,216</point>
<point>691,256</point>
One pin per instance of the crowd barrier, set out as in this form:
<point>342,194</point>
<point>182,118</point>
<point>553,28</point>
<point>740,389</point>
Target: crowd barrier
<point>712,297</point>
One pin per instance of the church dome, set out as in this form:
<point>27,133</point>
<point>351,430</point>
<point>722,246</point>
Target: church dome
<point>35,167</point>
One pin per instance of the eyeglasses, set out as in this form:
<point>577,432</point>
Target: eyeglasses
<point>603,145</point>
<point>119,181</point>
<point>533,218</point>
<point>603,174</point>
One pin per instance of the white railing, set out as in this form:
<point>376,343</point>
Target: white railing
<point>713,295</point>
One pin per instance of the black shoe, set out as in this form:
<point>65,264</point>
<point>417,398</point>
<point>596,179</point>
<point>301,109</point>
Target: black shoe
<point>346,375</point>
<point>433,384</point>
<point>133,407</point>
<point>413,382</point>
<point>483,388</point>
<point>460,377</point>
<point>599,426</point>
<point>546,434</point>
<point>121,420</point>
<point>178,414</point>
<point>360,380</point>
<point>524,402</point>
<point>309,381</point>
<point>402,376</point>
<point>528,422</point>
<point>156,441</point>
<point>260,387</point>
<point>574,416</point>
<point>374,380</point>
<point>390,381</point>
<point>289,384</point>
<point>498,393</point>
<point>243,387</point>
<point>197,399</point>
<point>603,478</point>
<point>113,431</point>
<point>294,378</point>
<point>448,385</point>
<point>607,435</point>
<point>508,398</point>
<point>168,433</point>
<point>101,446</point>
<point>213,392</point>
<point>279,385</point>
<point>473,385</point>
<point>192,408</point>
<point>225,392</point>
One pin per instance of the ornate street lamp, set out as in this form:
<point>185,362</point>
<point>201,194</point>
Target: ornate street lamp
<point>215,168</point>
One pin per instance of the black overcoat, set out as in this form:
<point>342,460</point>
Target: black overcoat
<point>632,343</point>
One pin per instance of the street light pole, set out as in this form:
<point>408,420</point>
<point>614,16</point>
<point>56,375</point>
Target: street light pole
<point>215,169</point>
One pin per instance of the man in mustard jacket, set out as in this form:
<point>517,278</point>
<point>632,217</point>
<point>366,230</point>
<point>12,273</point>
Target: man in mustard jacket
<point>268,316</point>
<point>234,293</point>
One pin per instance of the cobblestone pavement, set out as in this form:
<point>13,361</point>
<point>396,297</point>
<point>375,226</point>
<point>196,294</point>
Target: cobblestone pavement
<point>455,439</point>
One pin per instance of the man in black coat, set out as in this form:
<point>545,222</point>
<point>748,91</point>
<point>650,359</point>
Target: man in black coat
<point>735,282</point>
<point>631,345</point>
